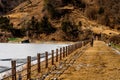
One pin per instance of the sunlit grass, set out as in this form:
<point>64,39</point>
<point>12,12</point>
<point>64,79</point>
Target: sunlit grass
<point>14,39</point>
<point>116,46</point>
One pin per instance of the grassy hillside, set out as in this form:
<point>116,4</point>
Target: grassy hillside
<point>72,20</point>
<point>106,12</point>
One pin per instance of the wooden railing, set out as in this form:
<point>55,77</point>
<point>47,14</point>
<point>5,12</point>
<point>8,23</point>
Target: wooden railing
<point>49,59</point>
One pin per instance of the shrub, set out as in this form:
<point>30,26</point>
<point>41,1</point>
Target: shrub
<point>66,2</point>
<point>46,27</point>
<point>37,27</point>
<point>101,10</point>
<point>118,20</point>
<point>115,39</point>
<point>17,32</point>
<point>5,23</point>
<point>91,13</point>
<point>70,29</point>
<point>79,3</point>
<point>52,9</point>
<point>7,26</point>
<point>87,34</point>
<point>107,20</point>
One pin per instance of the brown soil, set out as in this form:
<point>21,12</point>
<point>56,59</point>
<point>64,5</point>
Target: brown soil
<point>99,62</point>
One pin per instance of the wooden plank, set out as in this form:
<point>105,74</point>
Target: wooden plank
<point>39,62</point>
<point>46,59</point>
<point>13,64</point>
<point>52,57</point>
<point>29,67</point>
<point>60,53</point>
<point>66,49</point>
<point>63,52</point>
<point>56,55</point>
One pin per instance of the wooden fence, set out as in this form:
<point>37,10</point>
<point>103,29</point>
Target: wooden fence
<point>56,56</point>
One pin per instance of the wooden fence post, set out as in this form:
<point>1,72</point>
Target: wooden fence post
<point>75,46</point>
<point>70,49</point>
<point>60,53</point>
<point>52,57</point>
<point>84,43</point>
<point>13,64</point>
<point>29,67</point>
<point>46,59</point>
<point>63,52</point>
<point>56,55</point>
<point>39,62</point>
<point>80,44</point>
<point>66,49</point>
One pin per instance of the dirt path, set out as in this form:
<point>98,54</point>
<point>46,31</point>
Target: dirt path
<point>99,62</point>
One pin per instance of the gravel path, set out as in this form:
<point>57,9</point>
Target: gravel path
<point>99,62</point>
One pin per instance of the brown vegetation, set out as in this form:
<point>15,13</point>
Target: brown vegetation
<point>85,11</point>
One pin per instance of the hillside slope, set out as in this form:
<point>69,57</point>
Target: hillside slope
<point>92,15</point>
<point>103,11</point>
<point>106,12</point>
<point>8,5</point>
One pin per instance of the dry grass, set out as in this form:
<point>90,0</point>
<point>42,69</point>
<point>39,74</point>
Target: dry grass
<point>110,32</point>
